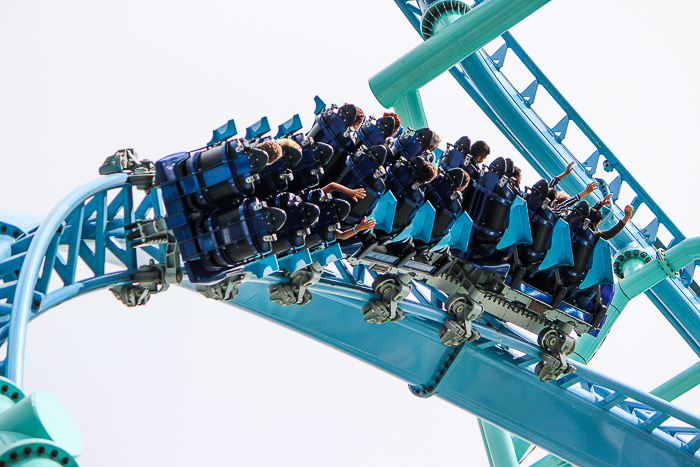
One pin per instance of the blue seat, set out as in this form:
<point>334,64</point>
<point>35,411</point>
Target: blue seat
<point>301,218</point>
<point>489,212</point>
<point>334,127</point>
<point>228,237</point>
<point>401,181</point>
<point>314,156</point>
<point>447,203</point>
<point>275,177</point>
<point>363,170</point>
<point>210,178</point>
<point>375,132</point>
<point>408,145</point>
<point>332,212</point>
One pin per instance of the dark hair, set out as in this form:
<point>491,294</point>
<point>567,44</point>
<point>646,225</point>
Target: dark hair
<point>426,171</point>
<point>595,216</point>
<point>480,148</point>
<point>516,172</point>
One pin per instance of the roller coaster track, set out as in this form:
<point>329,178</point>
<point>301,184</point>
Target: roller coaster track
<point>491,377</point>
<point>81,246</point>
<point>482,77</point>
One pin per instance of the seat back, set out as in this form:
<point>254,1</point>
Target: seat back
<point>210,178</point>
<point>407,146</point>
<point>331,213</point>
<point>447,203</point>
<point>301,217</point>
<point>361,172</point>
<point>227,238</point>
<point>334,127</point>
<point>314,156</point>
<point>401,181</point>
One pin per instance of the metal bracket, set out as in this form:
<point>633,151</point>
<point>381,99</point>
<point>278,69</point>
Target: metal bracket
<point>126,161</point>
<point>661,258</point>
<point>153,278</point>
<point>393,288</point>
<point>295,292</point>
<point>466,310</point>
<point>558,344</point>
<point>226,289</point>
<point>147,232</point>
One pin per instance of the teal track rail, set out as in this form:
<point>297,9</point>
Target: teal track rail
<point>481,76</point>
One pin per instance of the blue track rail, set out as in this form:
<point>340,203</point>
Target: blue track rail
<point>607,423</point>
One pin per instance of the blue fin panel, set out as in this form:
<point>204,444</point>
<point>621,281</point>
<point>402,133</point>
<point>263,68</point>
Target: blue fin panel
<point>258,128</point>
<point>651,230</point>
<point>459,234</point>
<point>421,227</point>
<point>263,267</point>
<point>560,252</point>
<point>290,126</point>
<point>296,261</point>
<point>320,105</point>
<point>614,187</point>
<point>223,132</point>
<point>601,270</point>
<point>518,231</point>
<point>384,212</point>
<point>327,255</point>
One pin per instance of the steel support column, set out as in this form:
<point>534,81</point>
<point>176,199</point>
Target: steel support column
<point>438,54</point>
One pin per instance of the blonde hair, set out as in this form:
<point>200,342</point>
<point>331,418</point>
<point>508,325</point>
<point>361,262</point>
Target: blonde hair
<point>272,148</point>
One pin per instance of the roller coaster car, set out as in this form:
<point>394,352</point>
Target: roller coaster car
<point>335,127</point>
<point>214,243</point>
<point>314,156</point>
<point>275,177</point>
<point>375,132</point>
<point>210,178</point>
<point>442,195</point>
<point>301,218</point>
<point>363,169</point>
<point>331,214</point>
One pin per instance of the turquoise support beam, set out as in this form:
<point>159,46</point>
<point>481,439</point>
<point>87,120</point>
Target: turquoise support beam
<point>499,448</point>
<point>634,284</point>
<point>450,46</point>
<point>409,107</point>
<point>679,384</point>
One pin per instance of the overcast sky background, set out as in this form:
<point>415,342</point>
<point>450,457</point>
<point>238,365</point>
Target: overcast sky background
<point>188,381</point>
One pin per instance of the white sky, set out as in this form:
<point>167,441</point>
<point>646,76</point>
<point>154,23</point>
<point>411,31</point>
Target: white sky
<point>187,381</point>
